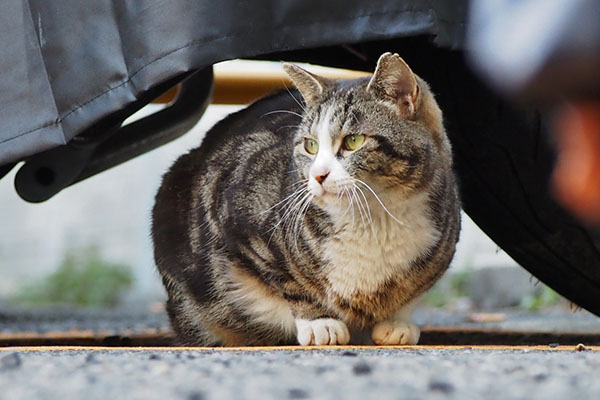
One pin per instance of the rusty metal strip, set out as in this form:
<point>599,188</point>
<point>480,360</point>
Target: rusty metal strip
<point>82,334</point>
<point>147,338</point>
<point>300,348</point>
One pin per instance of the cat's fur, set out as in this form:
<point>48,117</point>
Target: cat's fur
<point>253,250</point>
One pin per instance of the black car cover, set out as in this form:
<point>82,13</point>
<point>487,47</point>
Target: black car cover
<point>66,64</point>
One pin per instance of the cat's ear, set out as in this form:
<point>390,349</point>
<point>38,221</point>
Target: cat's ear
<point>394,81</point>
<point>311,86</point>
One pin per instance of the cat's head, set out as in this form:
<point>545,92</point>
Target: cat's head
<point>385,131</point>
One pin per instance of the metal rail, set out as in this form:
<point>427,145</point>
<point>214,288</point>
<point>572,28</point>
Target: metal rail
<point>302,348</point>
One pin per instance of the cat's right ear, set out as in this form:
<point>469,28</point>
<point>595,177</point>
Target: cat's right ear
<point>394,81</point>
<point>311,86</point>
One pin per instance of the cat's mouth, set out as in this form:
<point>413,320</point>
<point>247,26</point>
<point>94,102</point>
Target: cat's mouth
<point>330,195</point>
<point>321,191</point>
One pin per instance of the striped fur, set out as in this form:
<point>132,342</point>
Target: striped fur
<point>253,250</point>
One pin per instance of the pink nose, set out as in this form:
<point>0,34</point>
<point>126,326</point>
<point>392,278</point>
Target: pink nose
<point>321,178</point>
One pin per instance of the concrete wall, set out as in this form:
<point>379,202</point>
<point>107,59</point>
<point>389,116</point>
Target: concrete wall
<point>112,211</point>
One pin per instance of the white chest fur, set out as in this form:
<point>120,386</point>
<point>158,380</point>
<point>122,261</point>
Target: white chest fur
<point>364,256</point>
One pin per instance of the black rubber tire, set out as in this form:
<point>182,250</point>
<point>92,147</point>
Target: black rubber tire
<point>504,161</point>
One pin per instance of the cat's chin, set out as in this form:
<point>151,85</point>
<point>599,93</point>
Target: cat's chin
<point>326,199</point>
<point>330,196</point>
<point>319,191</point>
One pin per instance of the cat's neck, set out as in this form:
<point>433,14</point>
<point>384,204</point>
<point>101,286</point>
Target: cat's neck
<point>367,214</point>
<point>364,254</point>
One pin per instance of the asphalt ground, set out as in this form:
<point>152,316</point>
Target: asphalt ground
<point>419,372</point>
<point>555,368</point>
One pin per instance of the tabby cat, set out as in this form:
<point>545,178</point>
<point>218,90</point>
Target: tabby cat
<point>314,216</point>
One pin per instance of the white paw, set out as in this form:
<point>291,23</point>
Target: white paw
<point>395,332</point>
<point>323,331</point>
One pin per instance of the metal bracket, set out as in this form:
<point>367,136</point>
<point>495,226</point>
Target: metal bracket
<point>108,143</point>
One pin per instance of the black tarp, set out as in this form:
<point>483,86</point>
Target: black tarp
<point>64,64</point>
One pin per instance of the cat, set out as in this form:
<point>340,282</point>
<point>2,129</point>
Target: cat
<point>315,216</point>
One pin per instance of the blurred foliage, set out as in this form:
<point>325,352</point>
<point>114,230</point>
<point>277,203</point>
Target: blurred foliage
<point>447,291</point>
<point>542,298</point>
<point>459,281</point>
<point>83,279</point>
<point>452,288</point>
<point>436,297</point>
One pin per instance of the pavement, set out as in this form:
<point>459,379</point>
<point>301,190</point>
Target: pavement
<point>543,360</point>
<point>339,373</point>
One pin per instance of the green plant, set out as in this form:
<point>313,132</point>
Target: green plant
<point>436,297</point>
<point>459,282</point>
<point>83,278</point>
<point>542,298</point>
<point>448,290</point>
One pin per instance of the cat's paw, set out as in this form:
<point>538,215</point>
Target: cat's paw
<point>323,331</point>
<point>395,333</point>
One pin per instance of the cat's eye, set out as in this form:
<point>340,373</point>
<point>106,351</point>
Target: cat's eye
<point>311,146</point>
<point>353,142</point>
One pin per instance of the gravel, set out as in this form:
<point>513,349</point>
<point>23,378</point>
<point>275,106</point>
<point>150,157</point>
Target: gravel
<point>301,374</point>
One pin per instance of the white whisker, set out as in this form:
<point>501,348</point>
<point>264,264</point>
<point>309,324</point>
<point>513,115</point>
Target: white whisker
<point>359,207</point>
<point>281,111</point>
<point>300,216</point>
<point>341,195</point>
<point>379,201</point>
<point>368,210</point>
<point>292,205</point>
<point>288,197</point>
<point>294,98</point>
<point>287,126</point>
<point>298,200</point>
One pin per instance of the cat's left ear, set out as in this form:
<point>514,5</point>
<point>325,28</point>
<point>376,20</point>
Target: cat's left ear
<point>394,81</point>
<point>310,86</point>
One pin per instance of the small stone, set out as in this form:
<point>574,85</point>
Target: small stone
<point>540,377</point>
<point>361,368</point>
<point>11,361</point>
<point>297,394</point>
<point>348,353</point>
<point>91,358</point>
<point>196,396</point>
<point>553,345</point>
<point>154,357</point>
<point>441,386</point>
<point>487,317</point>
<point>227,363</point>
<point>580,347</point>
<point>321,369</point>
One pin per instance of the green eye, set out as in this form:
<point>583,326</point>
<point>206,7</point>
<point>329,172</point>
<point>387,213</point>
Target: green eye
<point>353,142</point>
<point>311,146</point>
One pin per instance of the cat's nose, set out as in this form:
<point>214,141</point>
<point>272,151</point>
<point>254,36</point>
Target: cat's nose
<point>321,178</point>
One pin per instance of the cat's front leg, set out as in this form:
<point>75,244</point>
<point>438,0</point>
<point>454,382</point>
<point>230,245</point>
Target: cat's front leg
<point>321,332</point>
<point>399,330</point>
<point>316,326</point>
